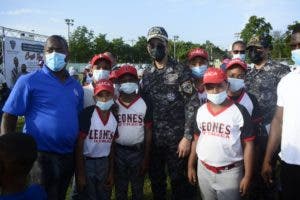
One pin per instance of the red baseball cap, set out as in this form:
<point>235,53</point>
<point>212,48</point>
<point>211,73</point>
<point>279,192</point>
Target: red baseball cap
<point>214,75</point>
<point>113,75</point>
<point>236,61</point>
<point>127,69</point>
<point>197,52</point>
<point>99,57</point>
<point>102,85</point>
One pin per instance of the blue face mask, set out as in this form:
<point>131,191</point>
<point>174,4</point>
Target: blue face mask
<point>236,84</point>
<point>100,74</point>
<point>217,98</point>
<point>105,105</point>
<point>199,71</point>
<point>129,88</point>
<point>296,56</point>
<point>55,61</point>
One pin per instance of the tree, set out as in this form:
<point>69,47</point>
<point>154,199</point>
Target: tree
<point>255,26</point>
<point>140,54</point>
<point>81,44</point>
<point>101,44</point>
<point>280,47</point>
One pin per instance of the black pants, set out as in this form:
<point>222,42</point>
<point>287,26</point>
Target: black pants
<point>165,157</point>
<point>54,172</point>
<point>290,179</point>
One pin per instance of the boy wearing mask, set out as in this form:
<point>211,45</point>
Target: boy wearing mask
<point>94,150</point>
<point>100,68</point>
<point>134,136</point>
<point>225,144</point>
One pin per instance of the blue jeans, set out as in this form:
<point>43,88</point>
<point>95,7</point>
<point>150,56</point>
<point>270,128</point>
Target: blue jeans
<point>96,171</point>
<point>54,172</point>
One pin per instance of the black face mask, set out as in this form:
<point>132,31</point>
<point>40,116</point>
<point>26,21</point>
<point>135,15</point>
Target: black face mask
<point>158,53</point>
<point>255,56</point>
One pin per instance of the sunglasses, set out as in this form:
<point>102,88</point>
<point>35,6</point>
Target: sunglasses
<point>237,51</point>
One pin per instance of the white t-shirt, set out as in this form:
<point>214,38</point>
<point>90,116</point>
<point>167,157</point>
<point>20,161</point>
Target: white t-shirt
<point>245,100</point>
<point>131,122</point>
<point>219,143</point>
<point>88,97</point>
<point>98,141</point>
<point>289,98</point>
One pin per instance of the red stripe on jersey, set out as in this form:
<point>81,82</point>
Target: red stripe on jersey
<point>249,139</point>
<point>241,96</point>
<point>82,135</point>
<point>131,103</point>
<point>148,124</point>
<point>209,108</point>
<point>104,121</point>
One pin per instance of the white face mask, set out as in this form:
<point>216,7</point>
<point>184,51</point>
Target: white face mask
<point>105,105</point>
<point>240,56</point>
<point>217,98</point>
<point>129,88</point>
<point>100,74</point>
<point>236,84</point>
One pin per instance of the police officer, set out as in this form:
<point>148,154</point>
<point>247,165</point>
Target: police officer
<point>261,81</point>
<point>167,89</point>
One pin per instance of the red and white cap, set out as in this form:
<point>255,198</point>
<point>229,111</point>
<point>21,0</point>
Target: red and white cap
<point>236,61</point>
<point>127,69</point>
<point>102,85</point>
<point>214,75</point>
<point>197,52</point>
<point>99,57</point>
<point>113,75</point>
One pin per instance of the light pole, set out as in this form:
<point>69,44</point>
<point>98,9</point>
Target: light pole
<point>69,22</point>
<point>175,38</point>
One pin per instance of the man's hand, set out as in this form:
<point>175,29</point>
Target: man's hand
<point>192,176</point>
<point>244,186</point>
<point>81,182</point>
<point>184,147</point>
<point>266,172</point>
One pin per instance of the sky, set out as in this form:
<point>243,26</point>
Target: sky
<point>192,20</point>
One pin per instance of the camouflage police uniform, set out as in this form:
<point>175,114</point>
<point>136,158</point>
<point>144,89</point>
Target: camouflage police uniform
<point>262,83</point>
<point>169,93</point>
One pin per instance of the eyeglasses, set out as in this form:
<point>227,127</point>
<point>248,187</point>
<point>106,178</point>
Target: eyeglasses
<point>237,51</point>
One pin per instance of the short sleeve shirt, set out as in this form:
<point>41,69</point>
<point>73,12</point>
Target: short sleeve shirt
<point>221,133</point>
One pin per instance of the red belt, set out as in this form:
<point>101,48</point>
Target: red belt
<point>217,170</point>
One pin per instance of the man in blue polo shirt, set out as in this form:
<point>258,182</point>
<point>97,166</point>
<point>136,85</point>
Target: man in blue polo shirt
<point>50,100</point>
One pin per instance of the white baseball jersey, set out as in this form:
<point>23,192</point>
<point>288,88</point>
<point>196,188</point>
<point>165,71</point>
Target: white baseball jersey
<point>289,99</point>
<point>100,135</point>
<point>219,143</point>
<point>131,122</point>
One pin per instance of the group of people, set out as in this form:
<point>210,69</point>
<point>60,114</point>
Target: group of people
<point>214,129</point>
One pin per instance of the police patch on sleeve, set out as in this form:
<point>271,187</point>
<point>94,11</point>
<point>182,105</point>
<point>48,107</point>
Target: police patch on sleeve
<point>187,87</point>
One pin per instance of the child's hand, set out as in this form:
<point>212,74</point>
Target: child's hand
<point>144,167</point>
<point>109,181</point>
<point>81,182</point>
<point>192,176</point>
